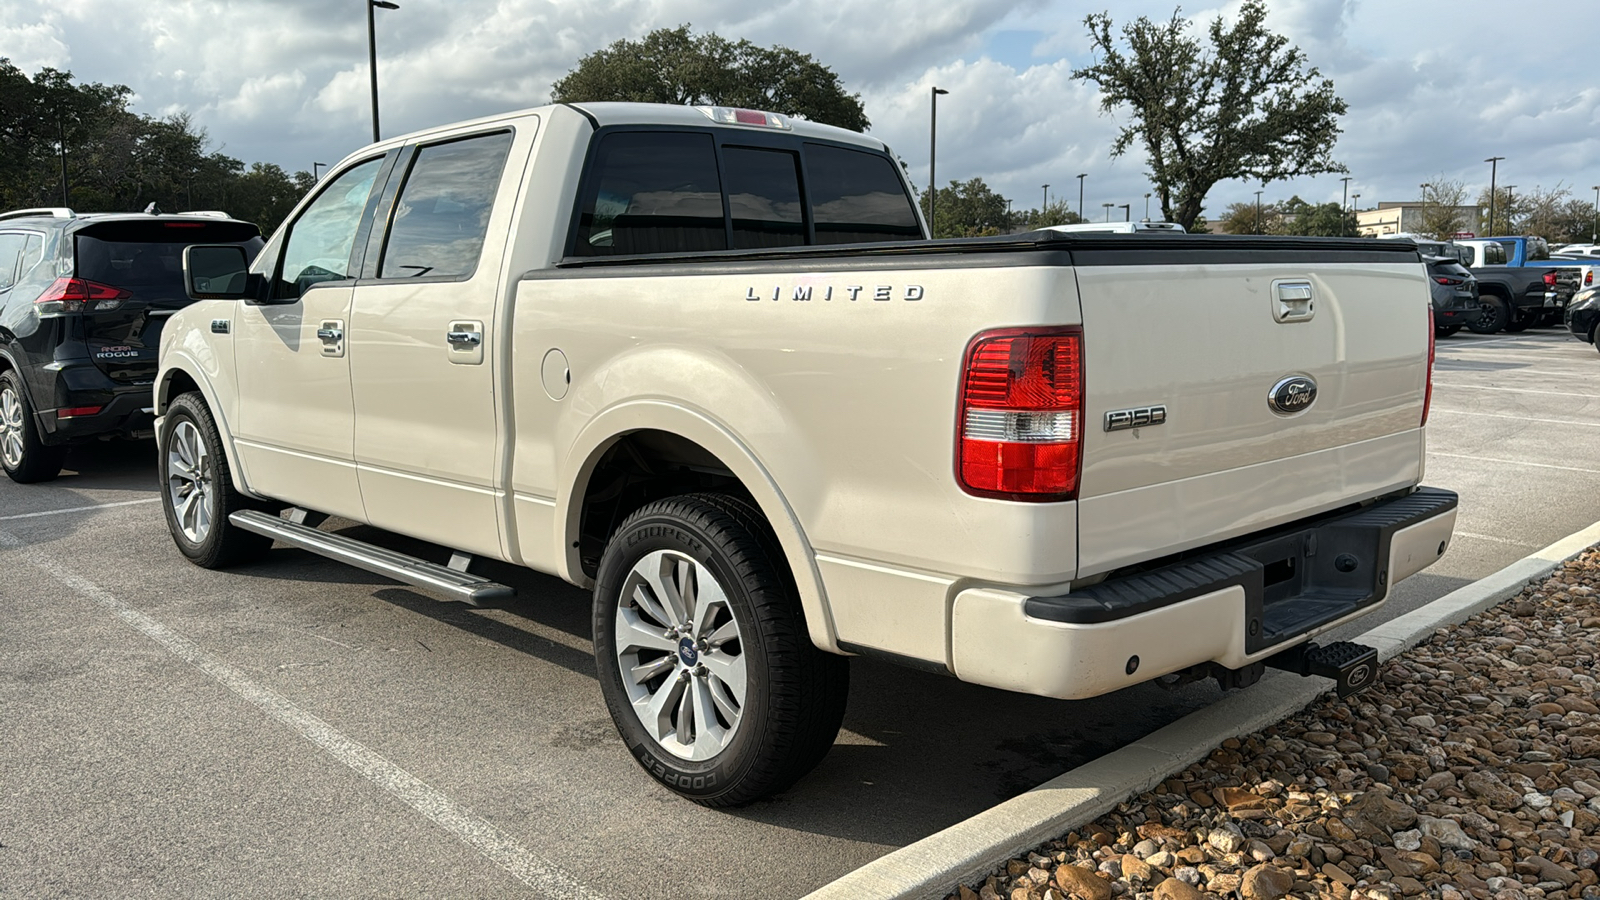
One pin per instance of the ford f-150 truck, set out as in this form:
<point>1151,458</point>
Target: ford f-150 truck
<point>704,362</point>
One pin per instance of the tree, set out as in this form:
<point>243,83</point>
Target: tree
<point>1556,216</point>
<point>670,65</point>
<point>1243,218</point>
<point>1317,219</point>
<point>1442,202</point>
<point>1245,108</point>
<point>968,210</point>
<point>1058,212</point>
<point>1508,210</point>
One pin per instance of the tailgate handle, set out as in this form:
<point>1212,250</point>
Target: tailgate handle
<point>1292,301</point>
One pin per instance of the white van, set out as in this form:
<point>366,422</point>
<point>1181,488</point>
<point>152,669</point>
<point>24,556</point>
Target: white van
<point>1118,228</point>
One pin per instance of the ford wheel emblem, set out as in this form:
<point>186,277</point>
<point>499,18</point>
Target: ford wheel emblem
<point>1292,395</point>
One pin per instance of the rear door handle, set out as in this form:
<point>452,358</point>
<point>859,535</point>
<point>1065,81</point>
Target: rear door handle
<point>330,335</point>
<point>464,338</point>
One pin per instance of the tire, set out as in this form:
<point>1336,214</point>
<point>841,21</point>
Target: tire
<point>1493,316</point>
<point>1520,320</point>
<point>1445,331</point>
<point>765,734</point>
<point>1594,336</point>
<point>197,491</point>
<point>24,456</point>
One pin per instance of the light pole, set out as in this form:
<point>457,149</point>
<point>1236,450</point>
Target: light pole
<point>1109,207</point>
<point>1127,211</point>
<point>1509,195</point>
<point>1258,212</point>
<point>933,146</point>
<point>1147,206</point>
<point>1494,163</point>
<point>1345,202</point>
<point>1045,202</point>
<point>1080,196</point>
<point>314,167</point>
<point>372,57</point>
<point>1594,229</point>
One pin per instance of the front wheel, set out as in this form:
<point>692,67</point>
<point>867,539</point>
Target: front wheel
<point>703,655</point>
<point>1491,317</point>
<point>197,491</point>
<point>23,455</point>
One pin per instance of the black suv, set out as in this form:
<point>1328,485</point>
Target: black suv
<point>83,297</point>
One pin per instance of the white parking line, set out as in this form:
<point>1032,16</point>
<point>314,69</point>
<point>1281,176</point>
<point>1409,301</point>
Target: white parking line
<point>76,509</point>
<point>1474,387</point>
<point>1463,412</point>
<point>1513,462</point>
<point>1490,537</point>
<point>543,877</point>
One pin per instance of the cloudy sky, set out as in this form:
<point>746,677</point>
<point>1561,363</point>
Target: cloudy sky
<point>1433,87</point>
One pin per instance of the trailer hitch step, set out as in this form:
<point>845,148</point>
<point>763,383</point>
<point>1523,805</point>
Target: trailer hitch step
<point>1353,666</point>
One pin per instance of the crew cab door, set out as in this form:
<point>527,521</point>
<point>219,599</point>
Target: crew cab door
<point>421,341</point>
<point>296,424</point>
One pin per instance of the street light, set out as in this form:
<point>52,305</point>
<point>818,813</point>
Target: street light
<point>1147,206</point>
<point>314,167</point>
<point>1345,202</point>
<point>1109,207</point>
<point>1080,196</point>
<point>1594,229</point>
<point>933,144</point>
<point>1046,201</point>
<point>1509,196</point>
<point>1127,213</point>
<point>1258,212</point>
<point>372,57</point>
<point>1494,162</point>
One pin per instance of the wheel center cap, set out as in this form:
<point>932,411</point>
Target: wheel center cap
<point>687,652</point>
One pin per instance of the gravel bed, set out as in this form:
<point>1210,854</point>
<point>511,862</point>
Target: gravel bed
<point>1471,770</point>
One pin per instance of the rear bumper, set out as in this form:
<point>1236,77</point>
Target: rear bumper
<point>1234,606</point>
<point>125,409</point>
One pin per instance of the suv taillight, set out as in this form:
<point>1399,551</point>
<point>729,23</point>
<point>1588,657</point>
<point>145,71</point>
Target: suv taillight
<point>69,295</point>
<point>1019,435</point>
<point>1427,396</point>
<point>1588,278</point>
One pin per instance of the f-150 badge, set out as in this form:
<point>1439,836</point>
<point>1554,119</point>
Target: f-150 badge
<point>1122,419</point>
<point>828,292</point>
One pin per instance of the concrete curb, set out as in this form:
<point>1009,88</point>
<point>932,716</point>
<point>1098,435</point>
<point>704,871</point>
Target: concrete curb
<point>968,851</point>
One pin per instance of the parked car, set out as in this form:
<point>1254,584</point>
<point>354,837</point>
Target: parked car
<point>1455,289</point>
<point>1583,316</point>
<point>83,298</point>
<point>1519,286</point>
<point>1119,228</point>
<point>705,362</point>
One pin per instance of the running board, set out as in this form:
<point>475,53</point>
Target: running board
<point>453,583</point>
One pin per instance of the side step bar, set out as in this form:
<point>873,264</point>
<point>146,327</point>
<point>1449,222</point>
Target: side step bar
<point>453,583</point>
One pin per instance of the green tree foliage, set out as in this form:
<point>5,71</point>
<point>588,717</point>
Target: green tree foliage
<point>969,209</point>
<point>670,65</point>
<point>1443,214</point>
<point>120,161</point>
<point>1057,212</point>
<point>1246,107</point>
<point>1554,215</point>
<point>1290,217</point>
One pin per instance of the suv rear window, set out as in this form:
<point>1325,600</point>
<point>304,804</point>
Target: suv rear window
<point>149,255</point>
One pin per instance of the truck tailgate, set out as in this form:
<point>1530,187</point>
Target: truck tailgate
<point>1210,343</point>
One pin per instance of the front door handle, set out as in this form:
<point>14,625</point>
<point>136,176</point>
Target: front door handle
<point>464,338</point>
<point>330,335</point>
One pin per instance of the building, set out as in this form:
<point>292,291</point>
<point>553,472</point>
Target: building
<point>1405,217</point>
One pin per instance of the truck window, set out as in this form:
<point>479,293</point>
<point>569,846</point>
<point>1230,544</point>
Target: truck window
<point>442,214</point>
<point>319,242</point>
<point>1494,254</point>
<point>857,196</point>
<point>652,192</point>
<point>764,197</point>
<point>11,245</point>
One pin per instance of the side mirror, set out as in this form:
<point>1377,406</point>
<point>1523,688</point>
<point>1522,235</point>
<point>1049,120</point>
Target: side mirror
<point>216,271</point>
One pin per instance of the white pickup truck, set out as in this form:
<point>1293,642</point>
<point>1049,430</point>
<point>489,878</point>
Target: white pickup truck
<point>705,362</point>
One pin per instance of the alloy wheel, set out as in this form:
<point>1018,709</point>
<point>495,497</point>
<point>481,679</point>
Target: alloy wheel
<point>189,481</point>
<point>11,425</point>
<point>681,655</point>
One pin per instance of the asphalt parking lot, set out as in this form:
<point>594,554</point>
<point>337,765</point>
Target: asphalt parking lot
<point>300,728</point>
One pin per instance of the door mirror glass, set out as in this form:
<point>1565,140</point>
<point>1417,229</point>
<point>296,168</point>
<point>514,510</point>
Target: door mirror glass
<point>215,271</point>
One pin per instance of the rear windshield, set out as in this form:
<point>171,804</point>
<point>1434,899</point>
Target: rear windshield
<point>678,192</point>
<point>133,255</point>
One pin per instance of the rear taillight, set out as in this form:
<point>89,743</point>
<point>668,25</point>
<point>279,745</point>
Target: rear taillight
<point>1443,280</point>
<point>1588,278</point>
<point>1427,395</point>
<point>1019,436</point>
<point>1549,279</point>
<point>69,295</point>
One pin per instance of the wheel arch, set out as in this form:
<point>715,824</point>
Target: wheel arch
<point>182,375</point>
<point>698,447</point>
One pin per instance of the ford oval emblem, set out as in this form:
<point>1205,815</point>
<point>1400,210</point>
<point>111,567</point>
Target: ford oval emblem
<point>1292,395</point>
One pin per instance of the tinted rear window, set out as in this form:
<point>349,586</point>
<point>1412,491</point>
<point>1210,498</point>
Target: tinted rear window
<point>764,198</point>
<point>442,215</point>
<point>857,196</point>
<point>652,192</point>
<point>150,255</point>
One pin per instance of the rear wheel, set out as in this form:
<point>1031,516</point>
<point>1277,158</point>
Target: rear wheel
<point>197,489</point>
<point>703,655</point>
<point>23,455</point>
<point>1492,316</point>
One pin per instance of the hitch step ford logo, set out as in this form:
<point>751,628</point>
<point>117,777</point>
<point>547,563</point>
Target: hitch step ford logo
<point>1292,395</point>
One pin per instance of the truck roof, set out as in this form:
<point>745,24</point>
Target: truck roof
<point>608,113</point>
